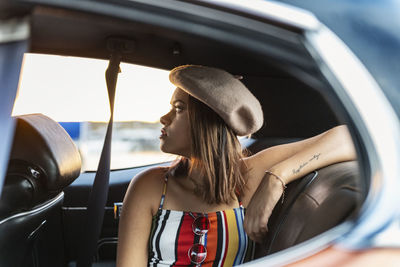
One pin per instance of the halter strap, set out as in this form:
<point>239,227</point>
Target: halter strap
<point>239,198</point>
<point>163,193</point>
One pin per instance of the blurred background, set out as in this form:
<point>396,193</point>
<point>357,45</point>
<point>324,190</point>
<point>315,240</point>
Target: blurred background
<point>73,92</point>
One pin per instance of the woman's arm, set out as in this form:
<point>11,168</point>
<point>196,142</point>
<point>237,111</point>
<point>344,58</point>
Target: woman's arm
<point>289,162</point>
<point>140,203</point>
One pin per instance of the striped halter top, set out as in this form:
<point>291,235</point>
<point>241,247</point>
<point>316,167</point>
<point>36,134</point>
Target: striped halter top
<point>172,237</point>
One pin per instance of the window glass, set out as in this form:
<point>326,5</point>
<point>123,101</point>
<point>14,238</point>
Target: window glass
<point>73,92</point>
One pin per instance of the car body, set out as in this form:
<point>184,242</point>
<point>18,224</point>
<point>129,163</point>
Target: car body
<point>311,65</point>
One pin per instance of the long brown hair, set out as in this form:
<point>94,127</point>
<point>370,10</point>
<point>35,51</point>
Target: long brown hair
<point>216,152</point>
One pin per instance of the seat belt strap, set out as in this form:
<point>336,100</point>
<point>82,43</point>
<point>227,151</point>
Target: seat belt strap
<point>99,193</point>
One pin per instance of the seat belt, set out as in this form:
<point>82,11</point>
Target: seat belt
<point>99,192</point>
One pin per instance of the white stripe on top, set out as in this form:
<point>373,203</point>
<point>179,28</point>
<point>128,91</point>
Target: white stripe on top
<point>242,237</point>
<point>156,233</point>
<point>223,222</point>
<point>168,238</point>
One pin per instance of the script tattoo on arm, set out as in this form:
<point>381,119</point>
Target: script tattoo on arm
<point>302,165</point>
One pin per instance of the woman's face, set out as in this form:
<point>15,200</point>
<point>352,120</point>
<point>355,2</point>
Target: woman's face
<point>175,135</point>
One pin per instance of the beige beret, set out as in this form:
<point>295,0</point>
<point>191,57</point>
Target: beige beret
<point>222,92</point>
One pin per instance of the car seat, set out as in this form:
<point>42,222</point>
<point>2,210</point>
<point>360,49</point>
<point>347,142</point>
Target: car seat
<point>43,160</point>
<point>312,205</point>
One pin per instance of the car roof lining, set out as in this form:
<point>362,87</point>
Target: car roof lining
<point>68,32</point>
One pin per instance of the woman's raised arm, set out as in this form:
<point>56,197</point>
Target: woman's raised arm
<point>286,163</point>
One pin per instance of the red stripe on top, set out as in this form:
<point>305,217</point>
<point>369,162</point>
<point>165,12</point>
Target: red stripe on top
<point>212,241</point>
<point>185,240</point>
<point>226,238</point>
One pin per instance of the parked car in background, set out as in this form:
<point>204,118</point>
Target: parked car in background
<point>312,65</point>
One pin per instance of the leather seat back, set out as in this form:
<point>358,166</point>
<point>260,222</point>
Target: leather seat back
<point>43,161</point>
<point>313,204</point>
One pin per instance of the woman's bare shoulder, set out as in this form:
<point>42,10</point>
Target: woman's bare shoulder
<point>151,176</point>
<point>146,188</point>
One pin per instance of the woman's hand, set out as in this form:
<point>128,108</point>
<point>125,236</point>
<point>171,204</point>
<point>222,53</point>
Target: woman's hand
<point>260,207</point>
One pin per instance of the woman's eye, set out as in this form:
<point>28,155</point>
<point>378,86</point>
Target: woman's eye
<point>178,109</point>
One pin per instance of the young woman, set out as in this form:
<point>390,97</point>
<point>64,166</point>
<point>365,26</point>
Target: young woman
<point>192,213</point>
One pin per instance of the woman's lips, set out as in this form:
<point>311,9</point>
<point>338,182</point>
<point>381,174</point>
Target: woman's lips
<point>163,133</point>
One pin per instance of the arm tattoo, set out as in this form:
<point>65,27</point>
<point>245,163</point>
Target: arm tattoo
<point>315,156</point>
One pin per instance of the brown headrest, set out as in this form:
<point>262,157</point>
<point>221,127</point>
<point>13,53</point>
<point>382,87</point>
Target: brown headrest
<point>46,146</point>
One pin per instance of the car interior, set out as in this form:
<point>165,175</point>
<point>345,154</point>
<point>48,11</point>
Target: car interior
<point>44,199</point>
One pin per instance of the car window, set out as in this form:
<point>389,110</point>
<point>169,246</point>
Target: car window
<point>73,92</point>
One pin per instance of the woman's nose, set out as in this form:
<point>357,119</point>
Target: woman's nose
<point>165,119</point>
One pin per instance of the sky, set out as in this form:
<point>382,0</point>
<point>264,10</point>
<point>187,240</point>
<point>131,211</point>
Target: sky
<point>74,89</point>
